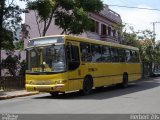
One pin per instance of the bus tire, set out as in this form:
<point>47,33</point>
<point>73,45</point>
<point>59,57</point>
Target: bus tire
<point>54,94</point>
<point>124,83</point>
<point>87,85</point>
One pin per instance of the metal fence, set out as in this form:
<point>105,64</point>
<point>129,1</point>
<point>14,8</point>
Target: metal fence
<point>9,82</point>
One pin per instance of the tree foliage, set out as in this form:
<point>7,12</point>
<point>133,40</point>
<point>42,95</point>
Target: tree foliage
<point>130,39</point>
<point>149,49</point>
<point>10,21</point>
<point>44,10</point>
<point>11,63</point>
<point>18,45</point>
<point>70,15</point>
<point>146,46</point>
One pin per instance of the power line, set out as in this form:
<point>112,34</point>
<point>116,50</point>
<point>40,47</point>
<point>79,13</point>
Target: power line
<point>135,7</point>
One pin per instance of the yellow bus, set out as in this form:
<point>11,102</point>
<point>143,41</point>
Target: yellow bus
<point>63,63</point>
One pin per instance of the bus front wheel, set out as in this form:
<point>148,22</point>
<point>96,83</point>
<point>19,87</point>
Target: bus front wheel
<point>87,85</point>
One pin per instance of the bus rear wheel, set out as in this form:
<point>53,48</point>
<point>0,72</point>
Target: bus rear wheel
<point>54,94</point>
<point>87,85</point>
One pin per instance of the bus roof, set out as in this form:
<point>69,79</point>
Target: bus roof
<point>82,39</point>
<point>89,40</point>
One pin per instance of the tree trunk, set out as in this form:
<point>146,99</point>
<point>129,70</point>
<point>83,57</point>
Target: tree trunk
<point>2,3</point>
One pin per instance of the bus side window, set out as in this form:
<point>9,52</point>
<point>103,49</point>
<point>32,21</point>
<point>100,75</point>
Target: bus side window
<point>128,56</point>
<point>106,55</point>
<point>134,58</point>
<point>121,53</point>
<point>73,57</point>
<point>137,56</point>
<point>114,55</point>
<point>96,53</point>
<point>85,52</point>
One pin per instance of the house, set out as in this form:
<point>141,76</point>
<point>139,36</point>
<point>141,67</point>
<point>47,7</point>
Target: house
<point>107,26</point>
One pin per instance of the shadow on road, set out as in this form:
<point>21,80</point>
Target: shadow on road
<point>109,92</point>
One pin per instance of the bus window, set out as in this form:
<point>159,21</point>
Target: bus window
<point>85,52</point>
<point>128,55</point>
<point>134,57</point>
<point>137,56</point>
<point>106,55</point>
<point>114,55</point>
<point>121,53</point>
<point>96,53</point>
<point>73,57</point>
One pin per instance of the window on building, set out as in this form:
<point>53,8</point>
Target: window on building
<point>103,29</point>
<point>119,35</point>
<point>109,31</point>
<point>114,33</point>
<point>95,28</point>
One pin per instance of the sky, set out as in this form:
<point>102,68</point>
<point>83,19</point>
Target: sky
<point>138,18</point>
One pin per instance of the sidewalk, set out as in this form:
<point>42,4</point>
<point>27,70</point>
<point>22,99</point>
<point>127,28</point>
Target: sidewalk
<point>12,94</point>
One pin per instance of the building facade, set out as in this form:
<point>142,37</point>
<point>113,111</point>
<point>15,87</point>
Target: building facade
<point>107,26</point>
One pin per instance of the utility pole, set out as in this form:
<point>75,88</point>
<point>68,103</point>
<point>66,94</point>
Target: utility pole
<point>154,32</point>
<point>153,42</point>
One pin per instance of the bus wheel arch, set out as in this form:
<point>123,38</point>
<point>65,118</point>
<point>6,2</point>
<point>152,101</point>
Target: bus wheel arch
<point>125,80</point>
<point>87,85</point>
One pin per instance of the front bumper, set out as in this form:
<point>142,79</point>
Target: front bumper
<point>46,88</point>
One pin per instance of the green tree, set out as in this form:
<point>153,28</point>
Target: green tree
<point>19,45</point>
<point>10,21</point>
<point>11,63</point>
<point>149,49</point>
<point>70,15</point>
<point>129,38</point>
<point>44,11</point>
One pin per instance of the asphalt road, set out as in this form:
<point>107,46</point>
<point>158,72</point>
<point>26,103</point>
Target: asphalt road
<point>142,97</point>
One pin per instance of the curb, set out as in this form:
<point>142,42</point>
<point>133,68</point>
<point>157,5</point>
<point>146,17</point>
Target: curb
<point>14,96</point>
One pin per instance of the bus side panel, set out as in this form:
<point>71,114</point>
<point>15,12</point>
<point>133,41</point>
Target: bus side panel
<point>75,80</point>
<point>104,74</point>
<point>134,71</point>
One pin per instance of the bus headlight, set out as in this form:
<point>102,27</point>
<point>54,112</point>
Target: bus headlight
<point>60,81</point>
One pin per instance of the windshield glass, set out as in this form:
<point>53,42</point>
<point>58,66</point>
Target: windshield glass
<point>46,59</point>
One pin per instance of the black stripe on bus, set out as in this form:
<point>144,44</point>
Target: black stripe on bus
<point>104,76</point>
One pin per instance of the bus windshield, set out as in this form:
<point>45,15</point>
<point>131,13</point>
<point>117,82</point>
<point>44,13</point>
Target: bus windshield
<point>46,59</point>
